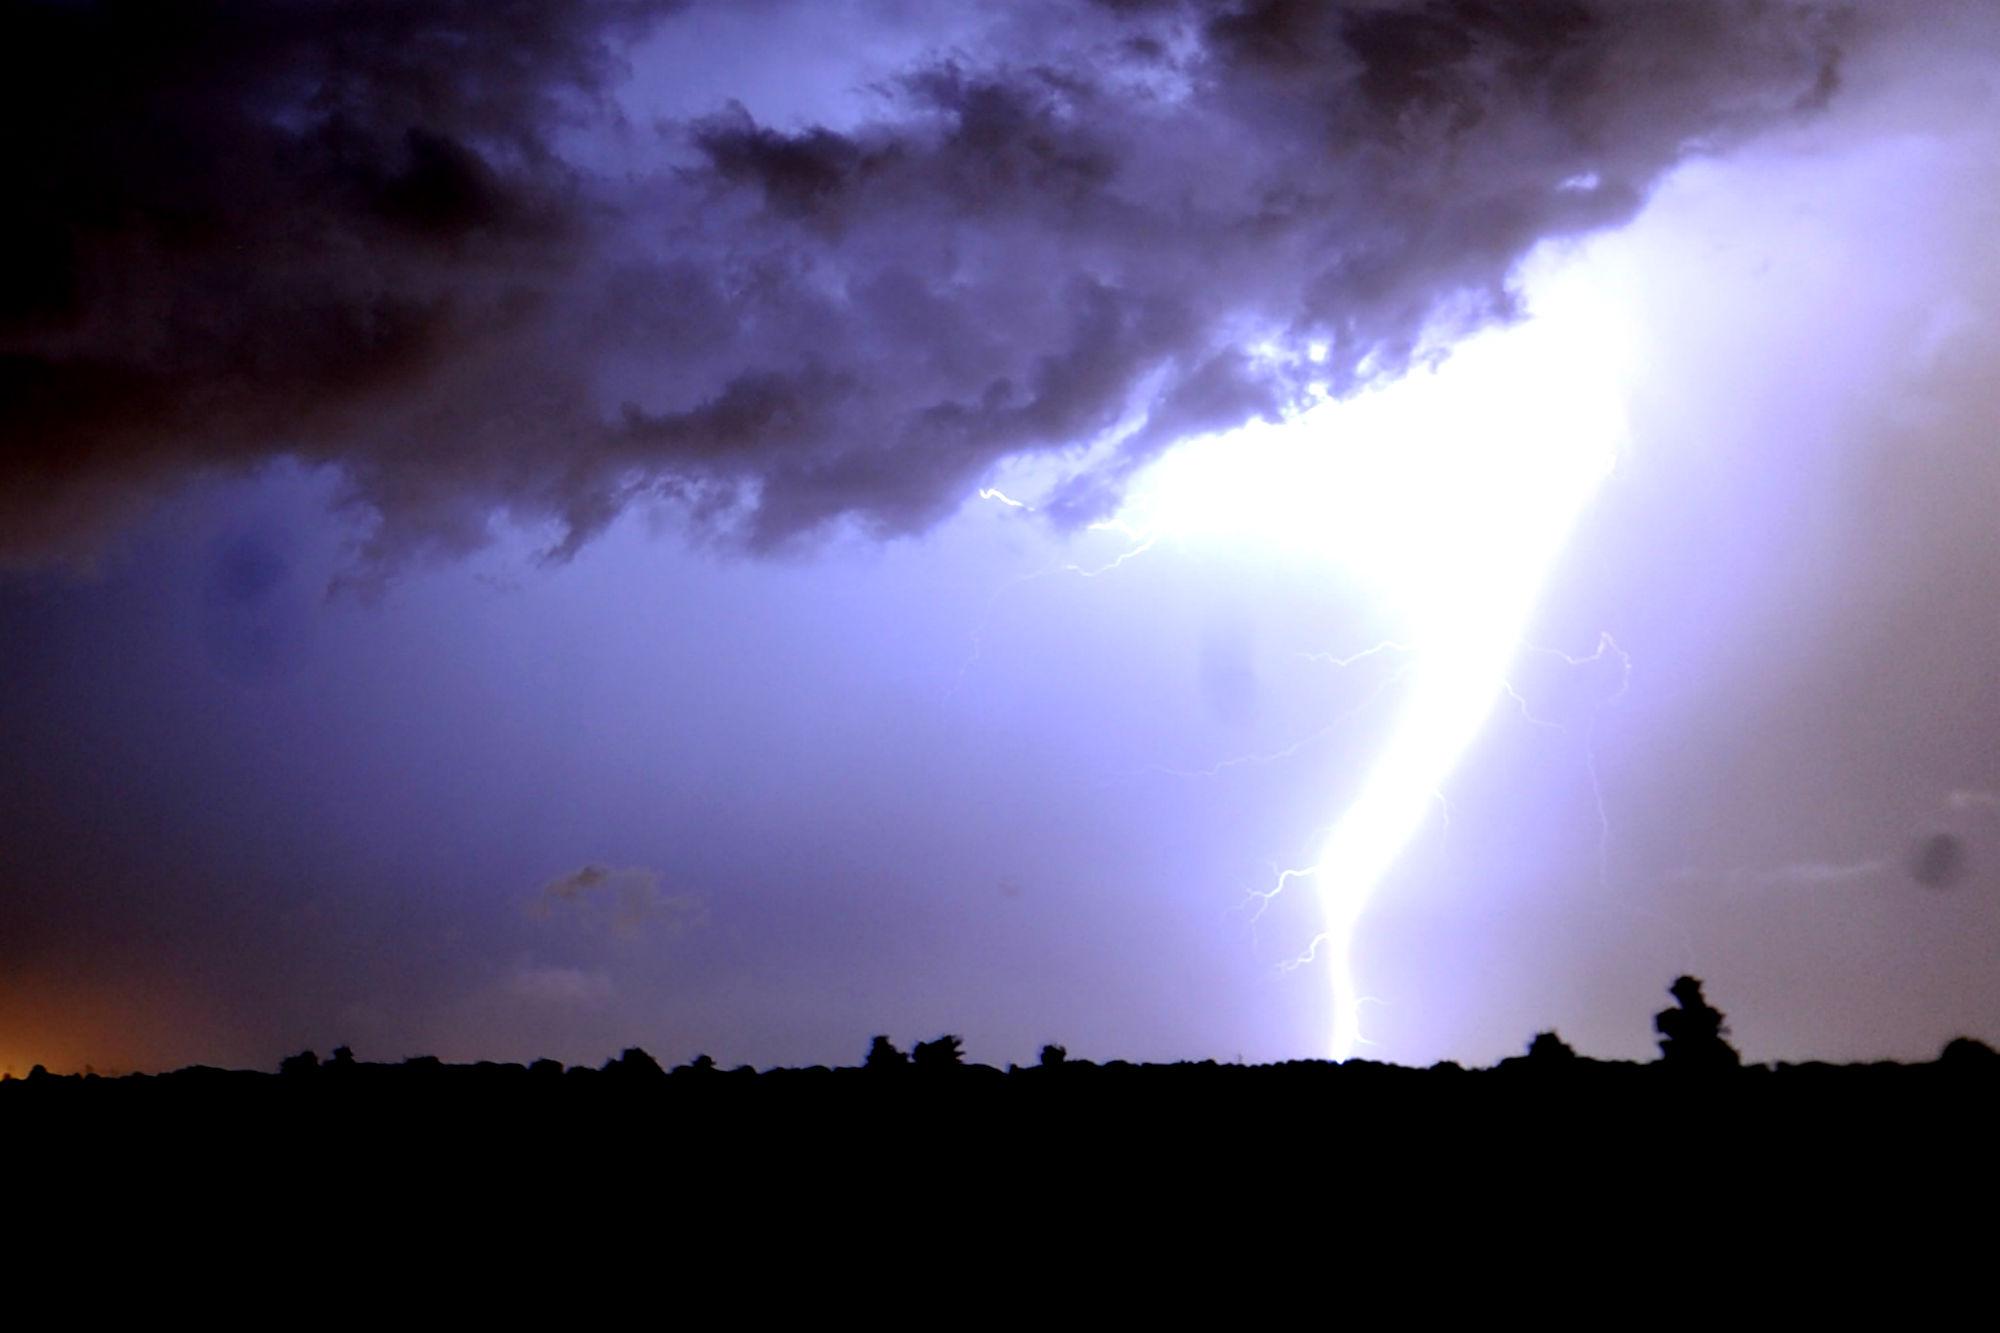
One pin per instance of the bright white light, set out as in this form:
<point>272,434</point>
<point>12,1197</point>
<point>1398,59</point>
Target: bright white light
<point>1449,492</point>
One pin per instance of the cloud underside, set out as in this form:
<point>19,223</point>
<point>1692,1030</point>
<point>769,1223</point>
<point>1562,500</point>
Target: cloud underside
<point>622,902</point>
<point>370,236</point>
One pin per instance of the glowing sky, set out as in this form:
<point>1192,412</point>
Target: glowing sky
<point>676,687</point>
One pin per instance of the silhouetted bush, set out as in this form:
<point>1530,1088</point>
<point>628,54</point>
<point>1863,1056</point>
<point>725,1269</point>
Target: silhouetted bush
<point>634,1065</point>
<point>1053,1055</point>
<point>883,1056</point>
<point>1969,1052</point>
<point>940,1053</point>
<point>300,1065</point>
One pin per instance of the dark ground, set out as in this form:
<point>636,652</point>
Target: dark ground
<point>1686,1184</point>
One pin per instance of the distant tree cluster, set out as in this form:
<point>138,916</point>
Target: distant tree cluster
<point>930,1057</point>
<point>1691,1037</point>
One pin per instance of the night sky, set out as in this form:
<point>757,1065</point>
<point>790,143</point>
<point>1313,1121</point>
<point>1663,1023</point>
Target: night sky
<point>530,527</point>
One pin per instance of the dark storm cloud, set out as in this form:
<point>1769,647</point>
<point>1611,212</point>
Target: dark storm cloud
<point>241,229</point>
<point>364,234</point>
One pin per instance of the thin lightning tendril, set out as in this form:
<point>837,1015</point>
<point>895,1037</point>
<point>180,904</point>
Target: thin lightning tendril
<point>1261,758</point>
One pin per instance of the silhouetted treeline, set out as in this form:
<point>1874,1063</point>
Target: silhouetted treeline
<point>917,1161</point>
<point>1696,1062</point>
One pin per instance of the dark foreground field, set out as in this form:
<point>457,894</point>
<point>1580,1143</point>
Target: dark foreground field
<point>1803,1187</point>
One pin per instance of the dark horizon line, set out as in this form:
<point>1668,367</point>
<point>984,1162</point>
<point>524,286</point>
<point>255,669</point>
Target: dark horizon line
<point>1692,1036</point>
<point>635,1062</point>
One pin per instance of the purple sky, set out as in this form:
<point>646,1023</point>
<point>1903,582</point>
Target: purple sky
<point>493,563</point>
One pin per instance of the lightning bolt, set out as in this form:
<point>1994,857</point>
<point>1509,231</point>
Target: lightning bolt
<point>1458,677</point>
<point>1451,492</point>
<point>1457,685</point>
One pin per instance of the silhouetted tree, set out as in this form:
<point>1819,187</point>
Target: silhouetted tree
<point>342,1058</point>
<point>1549,1049</point>
<point>1053,1055</point>
<point>298,1066</point>
<point>940,1053</point>
<point>883,1056</point>
<point>1691,1035</point>
<point>701,1064</point>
